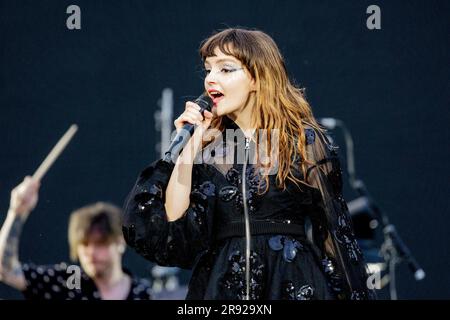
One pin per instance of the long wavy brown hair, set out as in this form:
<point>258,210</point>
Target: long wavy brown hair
<point>279,103</point>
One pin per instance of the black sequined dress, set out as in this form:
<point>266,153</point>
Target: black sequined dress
<point>285,263</point>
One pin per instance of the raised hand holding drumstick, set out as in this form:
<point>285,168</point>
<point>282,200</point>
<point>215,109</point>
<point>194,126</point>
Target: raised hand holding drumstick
<point>24,198</point>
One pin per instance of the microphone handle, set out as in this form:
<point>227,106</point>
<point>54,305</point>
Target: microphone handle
<point>186,131</point>
<point>179,142</point>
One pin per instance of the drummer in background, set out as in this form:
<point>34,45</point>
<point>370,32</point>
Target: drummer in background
<point>96,241</point>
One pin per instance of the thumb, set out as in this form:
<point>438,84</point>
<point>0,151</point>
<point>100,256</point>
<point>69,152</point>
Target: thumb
<point>207,114</point>
<point>207,122</point>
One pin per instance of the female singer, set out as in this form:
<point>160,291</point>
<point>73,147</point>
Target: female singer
<point>236,216</point>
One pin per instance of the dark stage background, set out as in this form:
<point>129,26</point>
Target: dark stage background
<point>390,86</point>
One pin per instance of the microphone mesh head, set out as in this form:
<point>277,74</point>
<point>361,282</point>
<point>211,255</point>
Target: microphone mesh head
<point>205,102</point>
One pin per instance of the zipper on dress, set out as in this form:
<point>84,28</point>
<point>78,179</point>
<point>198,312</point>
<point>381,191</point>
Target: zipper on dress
<point>247,222</point>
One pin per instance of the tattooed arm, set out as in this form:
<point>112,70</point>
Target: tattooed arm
<point>23,200</point>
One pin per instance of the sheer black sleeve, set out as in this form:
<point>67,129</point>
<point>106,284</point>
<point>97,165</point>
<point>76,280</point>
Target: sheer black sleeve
<point>332,227</point>
<point>146,228</point>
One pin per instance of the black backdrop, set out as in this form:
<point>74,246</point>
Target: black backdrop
<point>390,86</point>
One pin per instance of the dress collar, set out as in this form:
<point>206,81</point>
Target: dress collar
<point>231,124</point>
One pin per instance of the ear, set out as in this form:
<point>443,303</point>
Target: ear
<point>253,85</point>
<point>121,247</point>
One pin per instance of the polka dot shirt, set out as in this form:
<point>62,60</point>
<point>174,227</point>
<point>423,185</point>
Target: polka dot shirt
<point>57,282</point>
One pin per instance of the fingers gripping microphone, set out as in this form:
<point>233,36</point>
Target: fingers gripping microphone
<point>183,136</point>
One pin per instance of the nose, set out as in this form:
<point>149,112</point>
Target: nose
<point>91,250</point>
<point>211,77</point>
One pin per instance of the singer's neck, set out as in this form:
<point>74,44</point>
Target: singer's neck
<point>243,118</point>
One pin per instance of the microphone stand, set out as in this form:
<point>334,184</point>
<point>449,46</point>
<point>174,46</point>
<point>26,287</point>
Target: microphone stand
<point>393,249</point>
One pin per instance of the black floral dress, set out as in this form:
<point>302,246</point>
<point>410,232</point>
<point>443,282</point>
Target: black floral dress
<point>286,262</point>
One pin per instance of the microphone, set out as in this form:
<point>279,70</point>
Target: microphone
<point>183,136</point>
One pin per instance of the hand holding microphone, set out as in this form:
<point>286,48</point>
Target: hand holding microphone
<point>195,113</point>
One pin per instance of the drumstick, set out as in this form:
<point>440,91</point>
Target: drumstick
<point>56,151</point>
